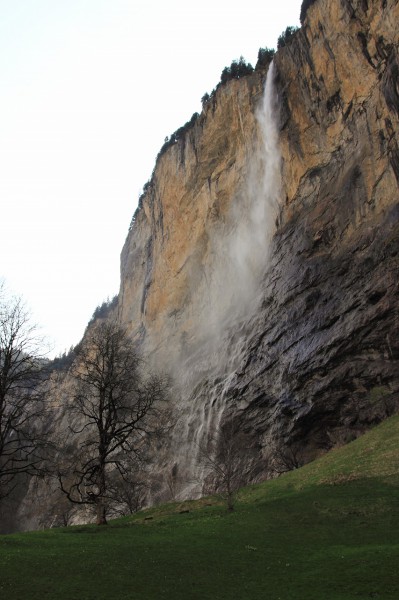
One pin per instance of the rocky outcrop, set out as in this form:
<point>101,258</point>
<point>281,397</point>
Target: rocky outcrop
<point>313,359</point>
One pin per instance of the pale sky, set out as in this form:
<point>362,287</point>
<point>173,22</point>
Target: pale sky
<point>88,91</point>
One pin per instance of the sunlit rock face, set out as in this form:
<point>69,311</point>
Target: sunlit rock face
<point>273,299</point>
<point>178,243</point>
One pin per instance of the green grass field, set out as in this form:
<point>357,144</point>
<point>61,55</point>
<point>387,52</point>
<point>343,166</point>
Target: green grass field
<point>326,531</point>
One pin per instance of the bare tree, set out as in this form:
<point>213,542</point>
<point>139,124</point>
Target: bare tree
<point>127,495</point>
<point>222,457</point>
<point>22,407</point>
<point>286,458</point>
<point>174,483</point>
<point>115,409</point>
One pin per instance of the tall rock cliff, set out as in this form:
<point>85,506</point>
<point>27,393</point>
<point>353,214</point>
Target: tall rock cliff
<point>262,268</point>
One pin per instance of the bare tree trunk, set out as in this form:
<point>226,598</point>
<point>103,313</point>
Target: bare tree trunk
<point>230,498</point>
<point>100,506</point>
<point>100,510</point>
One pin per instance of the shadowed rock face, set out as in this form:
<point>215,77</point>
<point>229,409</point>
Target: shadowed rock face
<point>335,264</point>
<point>322,354</point>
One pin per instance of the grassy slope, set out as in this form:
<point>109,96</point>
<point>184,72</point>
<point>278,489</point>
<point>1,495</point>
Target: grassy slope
<point>326,531</point>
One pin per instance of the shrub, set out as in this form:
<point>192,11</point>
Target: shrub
<point>205,99</point>
<point>146,187</point>
<point>178,134</point>
<point>103,310</point>
<point>286,37</point>
<point>237,69</point>
<point>265,57</point>
<point>64,361</point>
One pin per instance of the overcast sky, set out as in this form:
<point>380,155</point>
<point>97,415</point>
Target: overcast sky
<point>88,91</point>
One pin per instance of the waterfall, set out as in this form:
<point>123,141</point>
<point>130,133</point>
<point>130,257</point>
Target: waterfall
<point>241,243</point>
<point>271,158</point>
<point>255,215</point>
<point>228,296</point>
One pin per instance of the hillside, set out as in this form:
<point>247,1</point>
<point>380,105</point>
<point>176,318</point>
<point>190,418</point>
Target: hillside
<point>328,530</point>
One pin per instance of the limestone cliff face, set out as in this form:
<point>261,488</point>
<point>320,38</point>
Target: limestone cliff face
<point>313,357</point>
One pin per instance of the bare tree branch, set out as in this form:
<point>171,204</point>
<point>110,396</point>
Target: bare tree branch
<point>221,457</point>
<point>286,458</point>
<point>23,439</point>
<point>117,410</point>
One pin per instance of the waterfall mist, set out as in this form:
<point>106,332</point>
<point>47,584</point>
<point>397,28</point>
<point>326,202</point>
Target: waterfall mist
<point>228,287</point>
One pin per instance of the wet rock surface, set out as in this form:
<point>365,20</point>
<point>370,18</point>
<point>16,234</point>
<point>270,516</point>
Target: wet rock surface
<point>322,360</point>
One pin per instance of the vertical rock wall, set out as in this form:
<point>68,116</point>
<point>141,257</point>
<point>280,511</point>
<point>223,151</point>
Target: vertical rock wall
<point>314,359</point>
